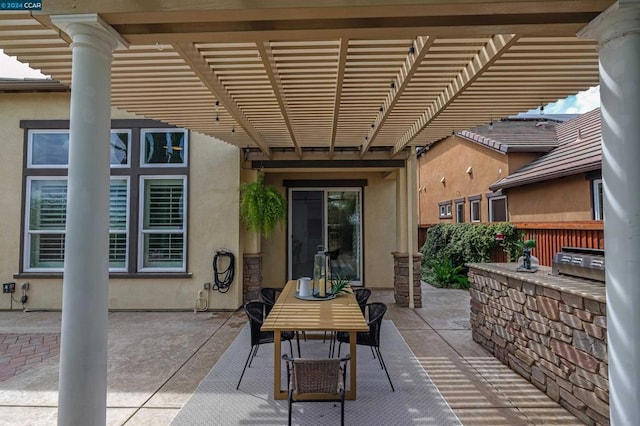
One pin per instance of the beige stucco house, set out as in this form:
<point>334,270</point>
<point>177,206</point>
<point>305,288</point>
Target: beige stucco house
<point>158,274</point>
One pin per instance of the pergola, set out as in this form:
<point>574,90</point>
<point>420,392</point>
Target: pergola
<point>358,80</point>
<point>361,81</point>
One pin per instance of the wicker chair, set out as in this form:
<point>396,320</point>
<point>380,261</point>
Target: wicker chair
<point>256,312</point>
<point>371,338</point>
<point>316,380</point>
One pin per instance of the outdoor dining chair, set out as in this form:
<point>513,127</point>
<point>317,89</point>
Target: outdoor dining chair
<point>269,297</point>
<point>256,312</point>
<point>312,380</point>
<point>371,338</point>
<point>362,296</point>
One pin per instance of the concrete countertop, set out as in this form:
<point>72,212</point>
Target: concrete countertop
<point>542,277</point>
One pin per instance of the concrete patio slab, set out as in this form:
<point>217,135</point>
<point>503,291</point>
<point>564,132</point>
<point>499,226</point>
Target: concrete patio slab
<point>157,359</point>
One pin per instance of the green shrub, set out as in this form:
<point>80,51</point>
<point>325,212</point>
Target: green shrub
<point>466,243</point>
<point>446,274</point>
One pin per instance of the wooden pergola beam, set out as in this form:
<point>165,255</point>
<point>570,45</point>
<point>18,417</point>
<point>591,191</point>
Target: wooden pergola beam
<point>418,51</point>
<point>490,52</point>
<point>269,61</point>
<point>201,68</point>
<point>342,62</point>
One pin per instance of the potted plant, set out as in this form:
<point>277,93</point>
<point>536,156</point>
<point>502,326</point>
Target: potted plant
<point>262,206</point>
<point>527,262</point>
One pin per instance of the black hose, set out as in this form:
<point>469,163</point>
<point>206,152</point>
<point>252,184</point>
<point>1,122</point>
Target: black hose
<point>223,279</point>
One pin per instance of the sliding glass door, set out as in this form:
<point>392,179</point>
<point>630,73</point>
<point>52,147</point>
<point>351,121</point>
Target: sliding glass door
<point>331,218</point>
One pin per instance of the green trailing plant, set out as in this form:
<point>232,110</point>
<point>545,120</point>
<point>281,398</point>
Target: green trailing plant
<point>262,207</point>
<point>445,274</point>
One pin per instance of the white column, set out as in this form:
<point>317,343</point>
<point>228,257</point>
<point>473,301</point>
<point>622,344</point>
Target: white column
<point>412,192</point>
<point>83,351</point>
<point>618,33</point>
<point>401,213</point>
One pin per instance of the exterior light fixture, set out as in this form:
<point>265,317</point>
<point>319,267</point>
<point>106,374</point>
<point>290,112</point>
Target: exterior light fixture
<point>442,180</point>
<point>469,170</point>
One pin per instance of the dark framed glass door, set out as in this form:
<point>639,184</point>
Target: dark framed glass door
<point>331,218</point>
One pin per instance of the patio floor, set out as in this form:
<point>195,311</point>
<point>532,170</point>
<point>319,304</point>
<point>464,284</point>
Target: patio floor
<point>157,359</point>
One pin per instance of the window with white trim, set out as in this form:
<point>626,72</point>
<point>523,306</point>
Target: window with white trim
<point>154,241</point>
<point>445,209</point>
<point>598,200</point>
<point>498,209</point>
<point>163,228</point>
<point>474,207</point>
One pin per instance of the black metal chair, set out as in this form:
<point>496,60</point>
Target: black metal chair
<point>362,296</point>
<point>269,296</point>
<point>316,380</point>
<point>256,312</point>
<point>371,338</point>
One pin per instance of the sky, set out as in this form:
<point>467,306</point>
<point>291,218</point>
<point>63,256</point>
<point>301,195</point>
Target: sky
<point>575,104</point>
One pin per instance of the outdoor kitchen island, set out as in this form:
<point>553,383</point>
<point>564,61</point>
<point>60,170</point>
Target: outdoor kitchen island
<point>550,329</point>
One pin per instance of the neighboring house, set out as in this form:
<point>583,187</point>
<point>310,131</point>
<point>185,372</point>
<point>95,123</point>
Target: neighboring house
<point>563,185</point>
<point>522,169</point>
<point>174,201</point>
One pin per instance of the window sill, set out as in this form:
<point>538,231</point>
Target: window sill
<point>139,275</point>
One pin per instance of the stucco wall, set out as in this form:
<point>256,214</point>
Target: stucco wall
<point>450,159</point>
<point>213,217</point>
<point>379,229</point>
<point>564,199</point>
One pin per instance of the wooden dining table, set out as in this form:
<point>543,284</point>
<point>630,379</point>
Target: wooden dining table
<point>292,314</point>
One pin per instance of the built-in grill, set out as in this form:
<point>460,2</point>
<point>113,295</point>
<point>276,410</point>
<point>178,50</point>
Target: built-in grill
<point>579,262</point>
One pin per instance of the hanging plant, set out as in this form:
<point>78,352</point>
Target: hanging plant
<point>262,206</point>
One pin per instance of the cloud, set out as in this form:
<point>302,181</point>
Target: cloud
<point>10,67</point>
<point>575,104</point>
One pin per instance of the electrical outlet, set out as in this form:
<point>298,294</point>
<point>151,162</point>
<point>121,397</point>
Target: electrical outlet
<point>9,287</point>
<point>207,286</point>
<point>24,286</point>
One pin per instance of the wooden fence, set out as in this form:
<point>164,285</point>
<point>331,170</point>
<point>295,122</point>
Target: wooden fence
<point>550,237</point>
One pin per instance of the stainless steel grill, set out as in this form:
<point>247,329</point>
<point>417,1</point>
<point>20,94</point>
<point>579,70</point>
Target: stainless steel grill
<point>579,262</point>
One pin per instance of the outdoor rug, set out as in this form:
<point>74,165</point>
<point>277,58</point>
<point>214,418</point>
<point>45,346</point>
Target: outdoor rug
<point>416,400</point>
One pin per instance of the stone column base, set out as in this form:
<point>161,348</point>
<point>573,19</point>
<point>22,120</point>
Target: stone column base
<point>251,276</point>
<point>401,279</point>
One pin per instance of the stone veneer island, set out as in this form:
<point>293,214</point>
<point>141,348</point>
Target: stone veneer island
<point>552,330</point>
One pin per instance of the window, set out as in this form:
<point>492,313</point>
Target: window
<point>475,210</point>
<point>162,234</point>
<point>163,148</point>
<point>160,231</point>
<point>445,209</point>
<point>498,209</point>
<point>460,212</point>
<point>598,206</point>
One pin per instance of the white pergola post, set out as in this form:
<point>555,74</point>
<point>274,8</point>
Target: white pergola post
<point>83,352</point>
<point>618,33</point>
<point>412,192</point>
